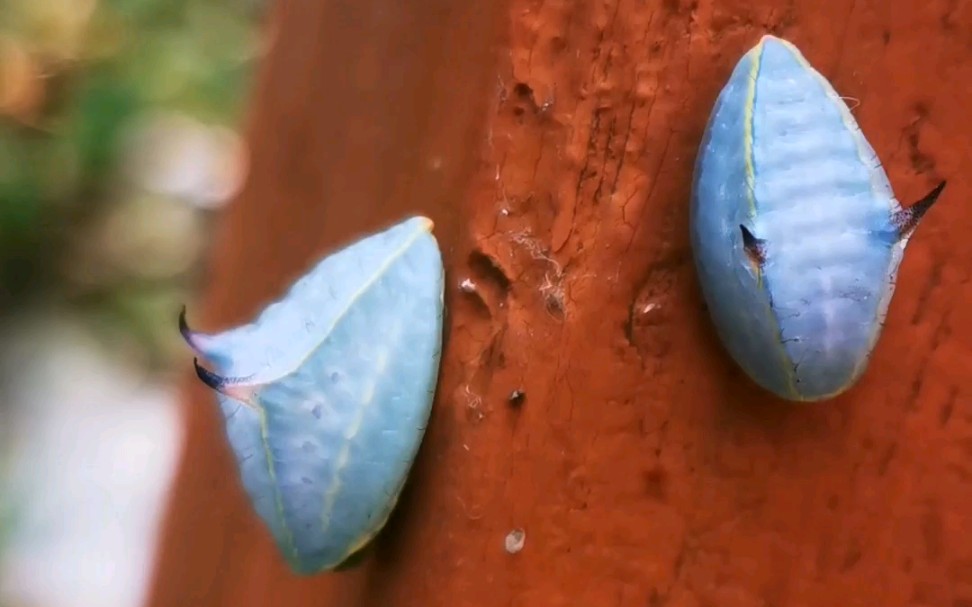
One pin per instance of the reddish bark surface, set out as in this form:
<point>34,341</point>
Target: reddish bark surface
<point>553,143</point>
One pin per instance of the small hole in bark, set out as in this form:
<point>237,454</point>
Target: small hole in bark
<point>523,91</point>
<point>484,266</point>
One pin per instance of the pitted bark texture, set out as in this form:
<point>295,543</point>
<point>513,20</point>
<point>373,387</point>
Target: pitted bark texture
<point>553,143</point>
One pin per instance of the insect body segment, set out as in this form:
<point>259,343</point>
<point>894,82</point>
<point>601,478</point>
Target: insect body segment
<point>339,376</point>
<point>796,233</point>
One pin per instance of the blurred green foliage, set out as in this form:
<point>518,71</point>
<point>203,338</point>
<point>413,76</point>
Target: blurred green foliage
<point>74,76</point>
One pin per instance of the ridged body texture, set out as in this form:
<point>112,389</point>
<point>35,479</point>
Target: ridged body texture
<point>796,233</point>
<point>326,395</point>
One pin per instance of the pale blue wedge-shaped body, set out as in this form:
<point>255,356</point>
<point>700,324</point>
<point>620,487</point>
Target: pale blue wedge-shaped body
<point>783,156</point>
<point>332,392</point>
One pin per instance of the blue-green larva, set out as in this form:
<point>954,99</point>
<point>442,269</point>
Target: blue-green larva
<point>796,232</point>
<point>326,395</point>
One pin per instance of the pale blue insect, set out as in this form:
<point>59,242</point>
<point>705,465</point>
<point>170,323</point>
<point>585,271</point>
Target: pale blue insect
<point>326,395</point>
<point>796,233</point>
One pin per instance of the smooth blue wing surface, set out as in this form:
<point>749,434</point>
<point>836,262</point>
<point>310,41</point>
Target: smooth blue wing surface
<point>796,233</point>
<point>326,395</point>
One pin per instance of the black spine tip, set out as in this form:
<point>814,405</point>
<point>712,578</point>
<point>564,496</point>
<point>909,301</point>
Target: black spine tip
<point>921,207</point>
<point>184,326</point>
<point>906,220</point>
<point>749,241</point>
<point>208,377</point>
<point>753,246</point>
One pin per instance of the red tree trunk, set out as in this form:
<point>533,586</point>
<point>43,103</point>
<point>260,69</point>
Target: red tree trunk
<point>553,142</point>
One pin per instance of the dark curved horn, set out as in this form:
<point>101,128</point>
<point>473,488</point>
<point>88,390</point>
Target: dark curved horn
<point>187,333</point>
<point>208,377</point>
<point>197,341</point>
<point>906,220</point>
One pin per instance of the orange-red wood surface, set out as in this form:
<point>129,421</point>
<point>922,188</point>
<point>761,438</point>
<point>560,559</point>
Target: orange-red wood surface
<point>553,142</point>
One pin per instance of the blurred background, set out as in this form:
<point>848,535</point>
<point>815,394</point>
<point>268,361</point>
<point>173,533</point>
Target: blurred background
<point>119,142</point>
